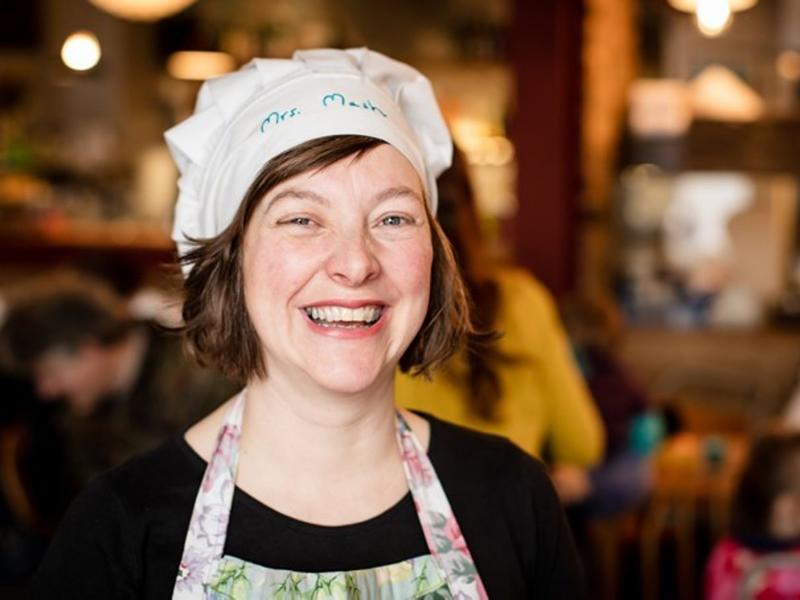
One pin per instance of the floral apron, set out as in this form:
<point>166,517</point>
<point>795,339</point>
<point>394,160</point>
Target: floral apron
<point>204,572</point>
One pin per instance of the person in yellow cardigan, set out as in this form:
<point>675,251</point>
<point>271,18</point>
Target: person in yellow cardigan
<point>525,384</point>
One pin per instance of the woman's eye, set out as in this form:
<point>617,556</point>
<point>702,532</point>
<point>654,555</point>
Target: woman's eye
<point>302,221</point>
<point>394,220</point>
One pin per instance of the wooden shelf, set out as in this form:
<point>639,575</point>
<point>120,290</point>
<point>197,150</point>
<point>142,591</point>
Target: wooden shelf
<point>133,252</point>
<point>95,234</point>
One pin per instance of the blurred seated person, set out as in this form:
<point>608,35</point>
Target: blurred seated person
<point>623,479</point>
<point>524,384</point>
<point>124,383</point>
<point>765,527</point>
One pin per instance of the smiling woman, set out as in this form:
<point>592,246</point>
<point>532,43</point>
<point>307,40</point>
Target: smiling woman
<point>293,217</point>
<point>314,267</point>
<point>345,256</point>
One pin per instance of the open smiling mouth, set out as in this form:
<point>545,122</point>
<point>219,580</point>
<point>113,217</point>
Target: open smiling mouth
<point>345,318</point>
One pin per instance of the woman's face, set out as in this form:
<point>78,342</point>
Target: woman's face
<point>337,267</point>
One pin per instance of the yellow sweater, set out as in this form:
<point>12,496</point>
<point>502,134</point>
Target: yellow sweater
<point>544,398</point>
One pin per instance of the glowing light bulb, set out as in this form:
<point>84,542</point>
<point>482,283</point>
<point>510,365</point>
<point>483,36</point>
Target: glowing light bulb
<point>713,16</point>
<point>690,6</point>
<point>81,51</point>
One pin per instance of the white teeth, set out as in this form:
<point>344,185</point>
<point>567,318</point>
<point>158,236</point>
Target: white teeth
<point>340,314</point>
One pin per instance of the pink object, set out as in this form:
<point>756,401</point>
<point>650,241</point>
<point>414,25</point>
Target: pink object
<point>732,563</point>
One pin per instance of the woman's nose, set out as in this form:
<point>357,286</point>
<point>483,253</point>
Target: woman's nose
<point>353,261</point>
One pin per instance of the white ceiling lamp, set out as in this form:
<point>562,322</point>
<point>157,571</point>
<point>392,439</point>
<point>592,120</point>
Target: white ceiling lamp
<point>690,6</point>
<point>142,10</point>
<point>81,51</point>
<point>712,16</point>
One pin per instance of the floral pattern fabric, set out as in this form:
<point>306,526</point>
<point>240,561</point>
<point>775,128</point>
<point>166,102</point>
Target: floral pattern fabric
<point>417,578</point>
<point>444,537</point>
<point>204,572</point>
<point>205,540</point>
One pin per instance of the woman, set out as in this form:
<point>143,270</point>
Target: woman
<point>327,274</point>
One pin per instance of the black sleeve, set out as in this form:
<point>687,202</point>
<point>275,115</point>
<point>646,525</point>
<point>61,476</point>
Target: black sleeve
<point>92,554</point>
<point>557,570</point>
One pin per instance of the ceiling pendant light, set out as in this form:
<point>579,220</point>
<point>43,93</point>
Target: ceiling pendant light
<point>713,16</point>
<point>690,6</point>
<point>81,51</point>
<point>142,10</point>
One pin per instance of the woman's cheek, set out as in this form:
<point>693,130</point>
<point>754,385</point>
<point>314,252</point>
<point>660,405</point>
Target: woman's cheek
<point>273,273</point>
<point>417,259</point>
<point>284,254</point>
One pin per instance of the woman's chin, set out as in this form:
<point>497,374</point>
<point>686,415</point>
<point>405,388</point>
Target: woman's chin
<point>350,379</point>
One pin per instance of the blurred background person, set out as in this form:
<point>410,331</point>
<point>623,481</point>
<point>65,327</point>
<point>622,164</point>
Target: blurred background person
<point>524,384</point>
<point>123,383</point>
<point>617,488</point>
<point>622,480</point>
<point>761,557</point>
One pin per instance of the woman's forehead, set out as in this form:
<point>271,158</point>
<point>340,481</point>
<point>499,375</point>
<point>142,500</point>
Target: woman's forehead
<point>380,173</point>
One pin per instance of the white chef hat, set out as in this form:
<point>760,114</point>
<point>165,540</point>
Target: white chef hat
<point>244,119</point>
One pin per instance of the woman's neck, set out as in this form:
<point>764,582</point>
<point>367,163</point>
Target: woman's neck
<point>323,458</point>
<point>320,433</point>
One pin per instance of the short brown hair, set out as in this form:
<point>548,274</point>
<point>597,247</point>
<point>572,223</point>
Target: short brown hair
<point>218,330</point>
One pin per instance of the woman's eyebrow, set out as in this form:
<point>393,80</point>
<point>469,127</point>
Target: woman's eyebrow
<point>298,194</point>
<point>391,192</point>
<point>394,191</point>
